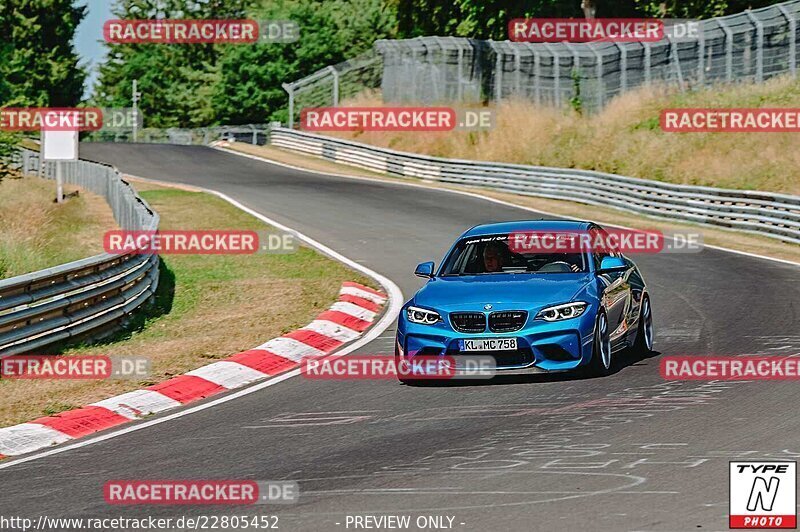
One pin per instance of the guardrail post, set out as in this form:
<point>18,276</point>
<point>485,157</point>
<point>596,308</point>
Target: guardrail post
<point>728,49</point>
<point>288,87</point>
<point>792,38</point>
<point>759,45</point>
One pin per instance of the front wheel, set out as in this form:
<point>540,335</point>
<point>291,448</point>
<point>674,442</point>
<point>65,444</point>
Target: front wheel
<point>600,364</point>
<point>645,333</point>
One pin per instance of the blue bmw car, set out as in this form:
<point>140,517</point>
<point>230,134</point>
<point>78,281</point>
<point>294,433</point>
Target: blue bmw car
<point>531,312</point>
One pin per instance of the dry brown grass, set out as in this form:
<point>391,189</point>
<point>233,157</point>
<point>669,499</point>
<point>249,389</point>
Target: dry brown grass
<point>625,138</point>
<point>220,305</point>
<point>36,233</point>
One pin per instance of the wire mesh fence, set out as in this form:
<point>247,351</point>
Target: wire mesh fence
<point>751,46</point>
<point>329,86</point>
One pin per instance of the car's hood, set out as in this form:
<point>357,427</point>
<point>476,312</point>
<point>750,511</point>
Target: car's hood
<point>503,292</point>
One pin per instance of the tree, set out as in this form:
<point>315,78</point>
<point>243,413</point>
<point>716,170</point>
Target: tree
<point>589,8</point>
<point>475,18</point>
<point>698,8</point>
<point>176,80</point>
<point>38,65</point>
<point>249,87</point>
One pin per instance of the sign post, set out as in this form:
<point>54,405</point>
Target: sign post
<point>59,146</point>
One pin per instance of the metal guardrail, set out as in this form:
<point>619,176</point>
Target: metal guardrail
<point>764,213</point>
<point>52,305</point>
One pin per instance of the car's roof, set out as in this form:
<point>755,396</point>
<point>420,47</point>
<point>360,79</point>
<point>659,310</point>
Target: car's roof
<point>526,225</point>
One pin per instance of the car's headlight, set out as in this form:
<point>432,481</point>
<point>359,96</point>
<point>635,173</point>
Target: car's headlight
<point>562,312</point>
<point>423,316</point>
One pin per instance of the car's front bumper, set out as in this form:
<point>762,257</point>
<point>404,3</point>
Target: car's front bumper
<point>541,346</point>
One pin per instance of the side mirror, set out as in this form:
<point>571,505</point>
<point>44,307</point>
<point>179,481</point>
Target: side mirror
<point>612,264</point>
<point>424,270</point>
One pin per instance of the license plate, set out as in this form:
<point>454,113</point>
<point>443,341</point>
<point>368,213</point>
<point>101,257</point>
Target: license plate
<point>488,344</point>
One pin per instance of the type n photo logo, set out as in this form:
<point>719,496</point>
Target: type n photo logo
<point>763,495</point>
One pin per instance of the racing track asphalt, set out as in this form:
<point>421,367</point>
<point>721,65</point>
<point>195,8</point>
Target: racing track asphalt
<point>626,452</point>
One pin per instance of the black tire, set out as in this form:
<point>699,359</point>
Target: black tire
<point>602,360</point>
<point>644,332</point>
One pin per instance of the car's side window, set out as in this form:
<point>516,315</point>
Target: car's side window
<point>598,255</point>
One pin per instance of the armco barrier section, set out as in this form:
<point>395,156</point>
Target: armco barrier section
<point>763,213</point>
<point>53,305</point>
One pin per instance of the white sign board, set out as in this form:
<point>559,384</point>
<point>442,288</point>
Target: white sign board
<point>60,145</point>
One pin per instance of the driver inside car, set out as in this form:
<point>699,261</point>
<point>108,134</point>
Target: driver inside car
<point>494,257</point>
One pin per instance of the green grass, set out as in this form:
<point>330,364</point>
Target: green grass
<point>36,233</point>
<point>207,307</point>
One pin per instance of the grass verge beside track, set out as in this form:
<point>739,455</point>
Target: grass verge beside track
<point>207,307</point>
<point>604,215</point>
<point>36,233</point>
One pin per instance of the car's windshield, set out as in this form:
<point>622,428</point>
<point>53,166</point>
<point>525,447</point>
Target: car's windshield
<point>491,255</point>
